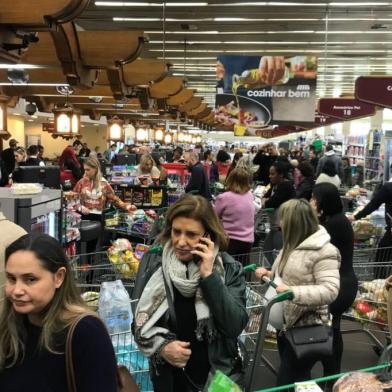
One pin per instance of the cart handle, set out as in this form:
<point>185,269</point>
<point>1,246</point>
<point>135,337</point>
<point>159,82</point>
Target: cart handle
<point>286,295</point>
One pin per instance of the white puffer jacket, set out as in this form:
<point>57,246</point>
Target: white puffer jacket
<point>312,272</point>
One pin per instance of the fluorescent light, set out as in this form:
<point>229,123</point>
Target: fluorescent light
<point>271,42</point>
<point>147,4</point>
<point>118,19</point>
<point>299,50</point>
<point>21,66</point>
<point>210,32</point>
<point>255,32</point>
<point>34,84</point>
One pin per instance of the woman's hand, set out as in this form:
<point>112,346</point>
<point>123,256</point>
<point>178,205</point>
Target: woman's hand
<point>261,272</point>
<point>84,210</point>
<point>282,288</point>
<point>131,208</point>
<point>177,353</point>
<point>351,218</point>
<point>205,249</point>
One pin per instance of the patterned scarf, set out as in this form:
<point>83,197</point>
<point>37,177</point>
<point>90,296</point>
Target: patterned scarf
<point>153,303</point>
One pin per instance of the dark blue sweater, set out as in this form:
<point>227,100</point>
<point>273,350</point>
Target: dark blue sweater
<point>42,371</point>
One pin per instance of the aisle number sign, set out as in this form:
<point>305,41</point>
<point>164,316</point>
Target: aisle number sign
<point>345,108</point>
<point>374,89</point>
<point>321,120</point>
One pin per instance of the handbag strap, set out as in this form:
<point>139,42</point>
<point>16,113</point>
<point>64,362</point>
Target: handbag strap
<point>69,367</point>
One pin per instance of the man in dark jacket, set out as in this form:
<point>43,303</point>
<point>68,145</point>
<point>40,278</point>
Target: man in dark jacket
<point>265,158</point>
<point>384,251</point>
<point>198,183</point>
<point>8,157</point>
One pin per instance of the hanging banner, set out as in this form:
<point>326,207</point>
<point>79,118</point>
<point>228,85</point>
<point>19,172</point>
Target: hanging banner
<point>345,108</point>
<point>255,92</point>
<point>374,89</point>
<point>321,120</point>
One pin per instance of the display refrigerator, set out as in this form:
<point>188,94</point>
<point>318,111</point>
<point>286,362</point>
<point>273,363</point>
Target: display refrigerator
<point>36,213</point>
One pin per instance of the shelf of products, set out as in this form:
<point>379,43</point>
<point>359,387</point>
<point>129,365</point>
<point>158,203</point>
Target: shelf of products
<point>142,196</point>
<point>373,163</point>
<point>71,222</point>
<point>355,149</point>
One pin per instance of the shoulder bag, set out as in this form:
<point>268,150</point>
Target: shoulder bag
<point>124,378</point>
<point>313,341</point>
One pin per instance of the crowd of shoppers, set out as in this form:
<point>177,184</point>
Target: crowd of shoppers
<point>193,329</point>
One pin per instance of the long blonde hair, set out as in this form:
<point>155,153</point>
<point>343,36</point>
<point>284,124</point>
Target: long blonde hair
<point>65,306</point>
<point>94,164</point>
<point>298,221</point>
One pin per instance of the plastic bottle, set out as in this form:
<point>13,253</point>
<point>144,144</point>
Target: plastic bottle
<point>114,307</point>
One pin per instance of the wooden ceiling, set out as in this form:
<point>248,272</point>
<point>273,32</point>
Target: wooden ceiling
<point>103,69</point>
<point>351,38</point>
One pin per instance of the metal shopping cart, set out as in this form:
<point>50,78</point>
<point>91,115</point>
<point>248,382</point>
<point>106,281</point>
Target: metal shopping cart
<point>89,279</point>
<point>370,306</point>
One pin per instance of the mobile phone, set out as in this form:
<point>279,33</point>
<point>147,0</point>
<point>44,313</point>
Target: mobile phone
<point>197,258</point>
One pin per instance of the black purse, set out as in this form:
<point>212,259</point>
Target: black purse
<point>314,341</point>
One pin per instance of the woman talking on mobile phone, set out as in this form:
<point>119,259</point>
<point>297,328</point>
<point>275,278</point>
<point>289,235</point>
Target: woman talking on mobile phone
<point>191,306</point>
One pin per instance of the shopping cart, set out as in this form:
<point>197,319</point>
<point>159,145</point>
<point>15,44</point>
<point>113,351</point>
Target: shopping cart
<point>259,327</point>
<point>370,307</point>
<point>143,228</point>
<point>128,354</point>
<point>89,279</point>
<point>262,225</point>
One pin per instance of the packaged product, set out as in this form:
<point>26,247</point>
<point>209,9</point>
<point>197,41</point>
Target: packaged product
<point>114,307</point>
<point>122,257</point>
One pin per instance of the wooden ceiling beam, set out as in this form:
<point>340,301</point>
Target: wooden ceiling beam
<point>106,49</point>
<point>193,103</point>
<point>170,85</point>
<point>41,14</point>
<point>142,72</point>
<point>181,98</point>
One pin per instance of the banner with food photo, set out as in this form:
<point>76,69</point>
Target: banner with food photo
<point>256,92</point>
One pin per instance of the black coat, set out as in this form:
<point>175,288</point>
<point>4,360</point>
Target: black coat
<point>342,236</point>
<point>384,195</point>
<point>198,182</point>
<point>264,161</point>
<point>305,188</point>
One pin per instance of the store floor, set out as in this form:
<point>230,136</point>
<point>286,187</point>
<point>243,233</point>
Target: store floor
<point>358,354</point>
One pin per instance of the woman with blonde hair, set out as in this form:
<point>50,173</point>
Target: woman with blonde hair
<point>94,192</point>
<point>191,306</point>
<point>238,222</point>
<point>147,168</point>
<point>308,265</point>
<point>41,305</point>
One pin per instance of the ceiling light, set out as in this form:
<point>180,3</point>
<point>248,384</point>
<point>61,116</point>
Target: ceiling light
<point>147,4</point>
<point>21,66</point>
<point>35,84</point>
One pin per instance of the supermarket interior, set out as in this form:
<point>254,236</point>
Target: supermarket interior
<point>195,196</point>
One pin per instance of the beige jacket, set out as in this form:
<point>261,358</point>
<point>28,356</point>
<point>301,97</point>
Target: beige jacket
<point>9,232</point>
<point>312,272</point>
